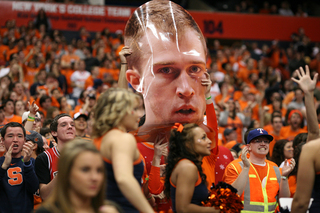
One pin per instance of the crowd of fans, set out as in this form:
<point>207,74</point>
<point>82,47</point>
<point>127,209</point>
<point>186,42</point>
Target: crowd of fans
<point>249,82</point>
<point>251,85</point>
<point>281,8</point>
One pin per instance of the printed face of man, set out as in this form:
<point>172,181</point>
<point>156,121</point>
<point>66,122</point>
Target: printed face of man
<point>170,79</point>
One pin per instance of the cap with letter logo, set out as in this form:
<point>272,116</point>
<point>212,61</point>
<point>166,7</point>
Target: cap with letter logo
<point>257,133</point>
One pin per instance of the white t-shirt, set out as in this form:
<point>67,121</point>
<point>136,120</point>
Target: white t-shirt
<point>214,91</point>
<point>219,76</point>
<point>79,78</point>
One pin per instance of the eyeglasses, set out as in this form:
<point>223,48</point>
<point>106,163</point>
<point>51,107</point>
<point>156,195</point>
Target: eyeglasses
<point>260,141</point>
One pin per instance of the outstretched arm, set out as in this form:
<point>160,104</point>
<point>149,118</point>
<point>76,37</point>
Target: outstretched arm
<point>308,86</point>
<point>210,111</point>
<point>155,185</point>
<point>33,108</point>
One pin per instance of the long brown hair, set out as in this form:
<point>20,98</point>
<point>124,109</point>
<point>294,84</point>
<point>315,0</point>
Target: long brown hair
<point>60,201</point>
<point>182,146</point>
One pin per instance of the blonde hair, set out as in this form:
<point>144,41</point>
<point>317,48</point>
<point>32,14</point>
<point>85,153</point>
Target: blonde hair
<point>111,108</point>
<point>60,201</point>
<point>166,16</point>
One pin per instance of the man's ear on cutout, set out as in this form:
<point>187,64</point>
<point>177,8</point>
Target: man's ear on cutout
<point>133,77</point>
<point>54,134</point>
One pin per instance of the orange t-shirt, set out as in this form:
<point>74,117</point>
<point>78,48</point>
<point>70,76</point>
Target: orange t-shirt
<point>119,49</point>
<point>37,201</point>
<point>237,95</point>
<point>104,72</point>
<point>288,98</point>
<point>29,73</point>
<point>283,110</point>
<point>3,31</point>
<point>244,73</point>
<point>255,110</point>
<point>219,97</point>
<point>268,128</point>
<point>13,118</point>
<point>315,65</point>
<point>287,133</point>
<point>15,50</point>
<point>292,180</point>
<point>221,138</point>
<point>273,142</point>
<point>261,170</point>
<point>114,41</point>
<point>78,108</point>
<point>88,82</point>
<point>68,58</point>
<point>238,124</point>
<point>3,48</point>
<point>67,73</point>
<point>230,144</point>
<point>107,49</point>
<point>45,49</point>
<point>219,64</point>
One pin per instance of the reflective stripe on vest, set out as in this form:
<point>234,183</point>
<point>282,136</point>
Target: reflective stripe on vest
<point>267,207</point>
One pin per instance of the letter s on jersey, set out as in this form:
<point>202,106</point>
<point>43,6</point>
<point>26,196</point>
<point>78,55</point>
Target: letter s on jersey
<point>15,176</point>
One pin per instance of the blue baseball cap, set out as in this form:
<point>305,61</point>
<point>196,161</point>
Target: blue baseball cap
<point>257,133</point>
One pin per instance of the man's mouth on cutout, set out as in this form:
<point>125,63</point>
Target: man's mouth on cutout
<point>186,111</point>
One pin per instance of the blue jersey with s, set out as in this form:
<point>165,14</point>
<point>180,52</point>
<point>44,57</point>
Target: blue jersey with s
<point>18,183</point>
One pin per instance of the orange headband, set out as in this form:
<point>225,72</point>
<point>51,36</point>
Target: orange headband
<point>295,111</point>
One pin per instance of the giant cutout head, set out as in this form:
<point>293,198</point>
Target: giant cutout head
<point>167,63</point>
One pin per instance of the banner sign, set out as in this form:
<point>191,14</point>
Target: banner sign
<point>70,17</point>
<point>255,26</point>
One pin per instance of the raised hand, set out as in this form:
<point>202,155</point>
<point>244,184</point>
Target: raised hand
<point>304,80</point>
<point>160,148</point>
<point>27,149</point>
<point>207,83</point>
<point>288,168</point>
<point>7,158</point>
<point>126,51</point>
<point>33,108</point>
<point>244,158</point>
